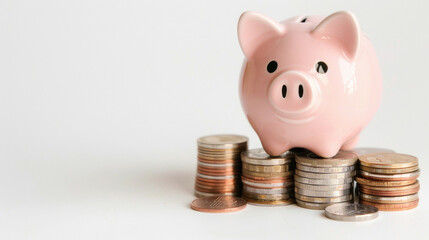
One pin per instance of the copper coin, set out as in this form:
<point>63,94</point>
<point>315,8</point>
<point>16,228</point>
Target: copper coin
<point>217,190</point>
<point>229,188</point>
<point>389,170</point>
<point>218,161</point>
<point>376,183</point>
<point>413,186</point>
<point>268,197</point>
<point>390,177</point>
<point>224,181</point>
<point>269,203</point>
<point>388,160</point>
<point>199,194</point>
<point>389,193</point>
<point>392,206</point>
<point>267,184</point>
<point>268,175</point>
<point>219,204</point>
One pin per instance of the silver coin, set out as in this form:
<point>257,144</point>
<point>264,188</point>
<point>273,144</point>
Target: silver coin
<point>324,169</point>
<point>351,212</point>
<point>217,177</point>
<point>344,198</point>
<point>363,151</point>
<point>268,185</point>
<point>342,159</point>
<point>325,175</point>
<point>224,165</point>
<point>323,194</point>
<point>223,141</point>
<point>399,199</point>
<point>310,205</point>
<point>323,188</point>
<point>267,190</point>
<point>323,181</point>
<point>389,176</point>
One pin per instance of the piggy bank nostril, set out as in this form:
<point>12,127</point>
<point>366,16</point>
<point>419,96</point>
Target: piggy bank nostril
<point>284,91</point>
<point>300,91</point>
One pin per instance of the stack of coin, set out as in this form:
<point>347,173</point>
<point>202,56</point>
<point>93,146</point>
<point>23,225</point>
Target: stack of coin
<point>267,180</point>
<point>388,181</point>
<point>219,165</point>
<point>320,182</point>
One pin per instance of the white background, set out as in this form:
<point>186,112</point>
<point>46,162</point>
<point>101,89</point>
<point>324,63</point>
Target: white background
<point>101,103</point>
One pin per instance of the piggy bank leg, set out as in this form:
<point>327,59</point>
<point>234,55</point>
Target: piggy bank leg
<point>326,150</point>
<point>351,143</point>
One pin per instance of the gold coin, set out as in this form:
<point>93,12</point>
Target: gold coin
<point>388,160</point>
<point>269,203</point>
<point>267,175</point>
<point>266,169</point>
<point>377,183</point>
<point>389,170</point>
<point>342,159</point>
<point>268,197</point>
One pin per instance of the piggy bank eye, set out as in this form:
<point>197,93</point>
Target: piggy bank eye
<point>321,67</point>
<point>272,66</point>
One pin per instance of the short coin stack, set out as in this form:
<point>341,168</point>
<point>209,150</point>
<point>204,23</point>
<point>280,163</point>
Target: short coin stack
<point>388,181</point>
<point>267,180</point>
<point>320,182</point>
<point>219,165</point>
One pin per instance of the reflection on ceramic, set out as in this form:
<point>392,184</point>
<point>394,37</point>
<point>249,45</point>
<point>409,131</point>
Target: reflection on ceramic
<point>308,82</point>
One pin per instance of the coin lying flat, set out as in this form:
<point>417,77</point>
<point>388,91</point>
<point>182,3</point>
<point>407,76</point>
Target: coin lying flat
<point>323,193</point>
<point>375,183</point>
<point>323,187</point>
<point>342,159</point>
<point>264,203</point>
<point>324,199</point>
<point>398,199</point>
<point>218,204</point>
<point>392,177</point>
<point>392,206</point>
<point>389,170</point>
<point>351,212</point>
<point>323,181</point>
<point>324,169</point>
<point>388,160</point>
<point>364,151</point>
<point>325,175</point>
<point>222,141</point>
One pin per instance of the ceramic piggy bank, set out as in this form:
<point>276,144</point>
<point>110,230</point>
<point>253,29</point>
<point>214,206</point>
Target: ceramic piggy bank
<point>309,82</point>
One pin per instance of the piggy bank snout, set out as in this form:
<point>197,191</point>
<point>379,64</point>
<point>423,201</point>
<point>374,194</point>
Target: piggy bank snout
<point>294,93</point>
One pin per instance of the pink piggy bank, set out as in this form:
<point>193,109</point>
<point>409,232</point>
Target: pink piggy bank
<point>309,82</point>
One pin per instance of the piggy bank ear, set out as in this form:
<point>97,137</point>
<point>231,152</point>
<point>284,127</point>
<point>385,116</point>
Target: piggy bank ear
<point>341,27</point>
<point>255,29</point>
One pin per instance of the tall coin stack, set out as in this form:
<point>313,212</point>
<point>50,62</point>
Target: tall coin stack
<point>219,165</point>
<point>320,182</point>
<point>267,180</point>
<point>388,181</point>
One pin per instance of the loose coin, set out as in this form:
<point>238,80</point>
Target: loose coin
<point>269,203</point>
<point>389,170</point>
<point>364,151</point>
<point>351,212</point>
<point>342,159</point>
<point>324,188</point>
<point>323,181</point>
<point>368,182</point>
<point>218,204</point>
<point>344,198</point>
<point>325,175</point>
<point>392,206</point>
<point>388,160</point>
<point>399,199</point>
<point>222,141</point>
<point>391,177</point>
<point>323,194</point>
<point>324,169</point>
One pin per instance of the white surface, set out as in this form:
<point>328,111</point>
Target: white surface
<point>101,103</point>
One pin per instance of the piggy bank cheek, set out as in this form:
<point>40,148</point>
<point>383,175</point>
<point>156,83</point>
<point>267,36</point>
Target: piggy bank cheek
<point>294,93</point>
